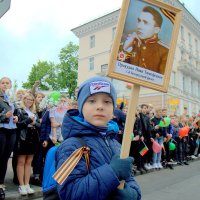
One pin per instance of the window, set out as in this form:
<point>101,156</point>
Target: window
<point>173,78</point>
<point>113,32</point>
<point>190,59</point>
<point>182,55</point>
<point>91,63</point>
<point>196,45</point>
<point>190,39</point>
<point>104,68</point>
<point>92,41</point>
<point>182,33</point>
<point>192,87</point>
<point>184,84</point>
<point>198,89</point>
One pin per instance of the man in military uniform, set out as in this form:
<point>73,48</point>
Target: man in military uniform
<point>143,46</point>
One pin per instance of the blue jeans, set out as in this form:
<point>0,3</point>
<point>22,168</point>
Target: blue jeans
<point>157,156</point>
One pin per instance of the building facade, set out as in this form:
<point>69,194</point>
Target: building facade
<point>95,42</point>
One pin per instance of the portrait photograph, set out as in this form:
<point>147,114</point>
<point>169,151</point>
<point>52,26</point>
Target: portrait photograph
<point>145,41</point>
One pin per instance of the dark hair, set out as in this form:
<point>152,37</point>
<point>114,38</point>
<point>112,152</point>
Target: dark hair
<point>156,15</point>
<point>144,105</point>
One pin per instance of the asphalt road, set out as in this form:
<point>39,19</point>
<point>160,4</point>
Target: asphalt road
<point>182,183</point>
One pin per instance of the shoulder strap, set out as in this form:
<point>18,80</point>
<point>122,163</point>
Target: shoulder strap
<point>68,166</point>
<point>81,141</point>
<point>86,151</point>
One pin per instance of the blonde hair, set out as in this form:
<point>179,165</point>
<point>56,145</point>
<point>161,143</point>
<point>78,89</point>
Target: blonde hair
<point>184,120</point>
<point>33,107</point>
<point>158,110</point>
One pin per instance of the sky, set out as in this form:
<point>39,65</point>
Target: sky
<point>34,30</point>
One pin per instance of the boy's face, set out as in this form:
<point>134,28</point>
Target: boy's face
<point>164,113</point>
<point>144,109</point>
<point>159,113</point>
<point>98,109</point>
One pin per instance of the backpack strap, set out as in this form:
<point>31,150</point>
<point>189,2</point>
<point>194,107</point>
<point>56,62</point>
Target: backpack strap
<point>68,166</point>
<point>86,153</point>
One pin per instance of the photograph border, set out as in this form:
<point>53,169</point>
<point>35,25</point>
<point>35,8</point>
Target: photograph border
<point>118,37</point>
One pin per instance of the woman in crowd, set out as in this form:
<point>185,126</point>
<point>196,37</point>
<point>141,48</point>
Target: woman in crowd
<point>27,141</point>
<point>37,159</point>
<point>7,130</point>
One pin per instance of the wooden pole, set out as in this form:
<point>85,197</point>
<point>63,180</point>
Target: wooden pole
<point>128,130</point>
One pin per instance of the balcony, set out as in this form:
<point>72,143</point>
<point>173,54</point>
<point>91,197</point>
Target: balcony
<point>189,69</point>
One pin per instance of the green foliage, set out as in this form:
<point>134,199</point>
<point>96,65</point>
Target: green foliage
<point>68,68</point>
<point>38,72</point>
<point>57,77</point>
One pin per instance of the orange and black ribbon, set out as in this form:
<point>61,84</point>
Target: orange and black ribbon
<point>168,14</point>
<point>68,166</point>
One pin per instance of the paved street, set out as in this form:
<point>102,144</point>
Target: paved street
<point>182,183</point>
<point>12,189</point>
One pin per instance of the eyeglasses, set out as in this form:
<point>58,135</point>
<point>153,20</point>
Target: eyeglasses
<point>29,99</point>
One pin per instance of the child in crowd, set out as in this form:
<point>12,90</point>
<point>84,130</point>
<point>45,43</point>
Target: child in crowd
<point>56,116</point>
<point>96,102</point>
<point>176,136</point>
<point>158,134</point>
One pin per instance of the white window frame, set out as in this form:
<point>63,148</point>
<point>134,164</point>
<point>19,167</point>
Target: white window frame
<point>184,83</point>
<point>198,89</point>
<point>91,63</point>
<point>92,41</point>
<point>104,67</point>
<point>113,32</point>
<point>190,39</point>
<point>182,32</point>
<point>173,81</point>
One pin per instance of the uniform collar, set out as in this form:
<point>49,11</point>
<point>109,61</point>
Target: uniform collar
<point>153,39</point>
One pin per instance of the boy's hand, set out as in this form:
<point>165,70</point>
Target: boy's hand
<point>126,193</point>
<point>122,167</point>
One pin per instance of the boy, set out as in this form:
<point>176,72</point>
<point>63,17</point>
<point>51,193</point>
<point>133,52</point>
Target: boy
<point>96,102</point>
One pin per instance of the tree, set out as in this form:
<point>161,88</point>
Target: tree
<point>57,77</point>
<point>44,71</point>
<point>68,68</point>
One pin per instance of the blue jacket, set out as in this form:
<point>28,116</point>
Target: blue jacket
<point>45,128</point>
<point>102,180</point>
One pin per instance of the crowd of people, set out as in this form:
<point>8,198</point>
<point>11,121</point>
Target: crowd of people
<point>175,148</point>
<point>29,131</point>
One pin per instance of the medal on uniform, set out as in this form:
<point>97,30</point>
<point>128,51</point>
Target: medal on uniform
<point>133,54</point>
